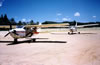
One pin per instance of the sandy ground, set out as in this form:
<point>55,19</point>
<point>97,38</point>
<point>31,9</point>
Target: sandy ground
<point>53,49</point>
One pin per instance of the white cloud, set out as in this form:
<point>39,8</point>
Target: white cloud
<point>0,4</point>
<point>77,14</point>
<point>23,20</point>
<point>59,14</point>
<point>66,19</point>
<point>94,16</point>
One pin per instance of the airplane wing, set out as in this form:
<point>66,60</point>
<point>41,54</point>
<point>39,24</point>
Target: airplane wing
<point>48,25</point>
<point>81,26</point>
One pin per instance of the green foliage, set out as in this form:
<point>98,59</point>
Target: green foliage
<point>19,23</point>
<point>37,23</point>
<point>24,23</point>
<point>5,21</point>
<point>32,22</point>
<point>13,21</point>
<point>49,22</point>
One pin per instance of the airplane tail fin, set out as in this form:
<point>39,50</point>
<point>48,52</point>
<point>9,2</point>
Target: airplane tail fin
<point>76,24</point>
<point>39,29</point>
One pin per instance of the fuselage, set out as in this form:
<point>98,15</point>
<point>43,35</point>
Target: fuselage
<point>17,33</point>
<point>73,29</point>
<point>22,32</point>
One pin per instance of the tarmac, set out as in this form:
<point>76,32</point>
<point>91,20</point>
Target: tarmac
<point>54,48</point>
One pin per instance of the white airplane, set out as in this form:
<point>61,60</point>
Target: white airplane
<point>28,31</point>
<point>73,29</point>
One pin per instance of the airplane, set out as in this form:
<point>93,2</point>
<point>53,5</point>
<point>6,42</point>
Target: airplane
<point>73,28</point>
<point>28,31</point>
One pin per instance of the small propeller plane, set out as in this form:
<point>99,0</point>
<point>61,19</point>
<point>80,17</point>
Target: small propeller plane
<point>28,31</point>
<point>73,28</point>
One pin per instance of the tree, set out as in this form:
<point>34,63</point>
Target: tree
<point>12,21</point>
<point>72,23</point>
<point>37,23</point>
<point>49,22</point>
<point>6,20</point>
<point>1,19</point>
<point>31,22</point>
<point>24,23</point>
<point>20,23</point>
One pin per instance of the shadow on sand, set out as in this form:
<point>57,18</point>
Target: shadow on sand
<point>83,33</point>
<point>30,41</point>
<point>72,33</point>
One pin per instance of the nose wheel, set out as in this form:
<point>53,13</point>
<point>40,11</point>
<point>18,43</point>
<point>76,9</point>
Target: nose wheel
<point>78,32</point>
<point>15,41</point>
<point>70,33</point>
<point>73,33</point>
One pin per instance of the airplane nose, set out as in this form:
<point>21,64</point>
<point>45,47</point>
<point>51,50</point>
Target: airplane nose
<point>14,31</point>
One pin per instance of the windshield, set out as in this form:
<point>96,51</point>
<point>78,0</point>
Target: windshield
<point>19,26</point>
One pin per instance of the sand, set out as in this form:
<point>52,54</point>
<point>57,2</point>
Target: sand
<point>53,49</point>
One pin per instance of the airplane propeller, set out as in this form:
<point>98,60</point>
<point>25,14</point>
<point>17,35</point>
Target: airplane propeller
<point>7,34</point>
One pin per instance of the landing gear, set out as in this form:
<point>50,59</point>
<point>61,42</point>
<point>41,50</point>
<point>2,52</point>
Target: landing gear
<point>78,32</point>
<point>33,40</point>
<point>15,41</point>
<point>68,32</point>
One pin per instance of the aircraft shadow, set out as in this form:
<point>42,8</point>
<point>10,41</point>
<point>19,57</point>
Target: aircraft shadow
<point>30,41</point>
<point>71,34</point>
<point>82,33</point>
<point>88,33</point>
<point>59,33</point>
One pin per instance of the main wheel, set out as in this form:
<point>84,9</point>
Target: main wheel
<point>33,40</point>
<point>15,41</point>
<point>68,32</point>
<point>78,32</point>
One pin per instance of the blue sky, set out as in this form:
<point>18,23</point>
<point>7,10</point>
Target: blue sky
<point>51,10</point>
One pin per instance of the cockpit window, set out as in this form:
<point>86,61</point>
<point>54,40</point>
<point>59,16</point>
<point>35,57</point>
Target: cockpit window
<point>19,26</point>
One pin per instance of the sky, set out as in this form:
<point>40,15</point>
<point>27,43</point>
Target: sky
<point>51,10</point>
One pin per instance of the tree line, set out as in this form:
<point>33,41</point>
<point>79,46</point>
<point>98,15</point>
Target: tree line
<point>4,20</point>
